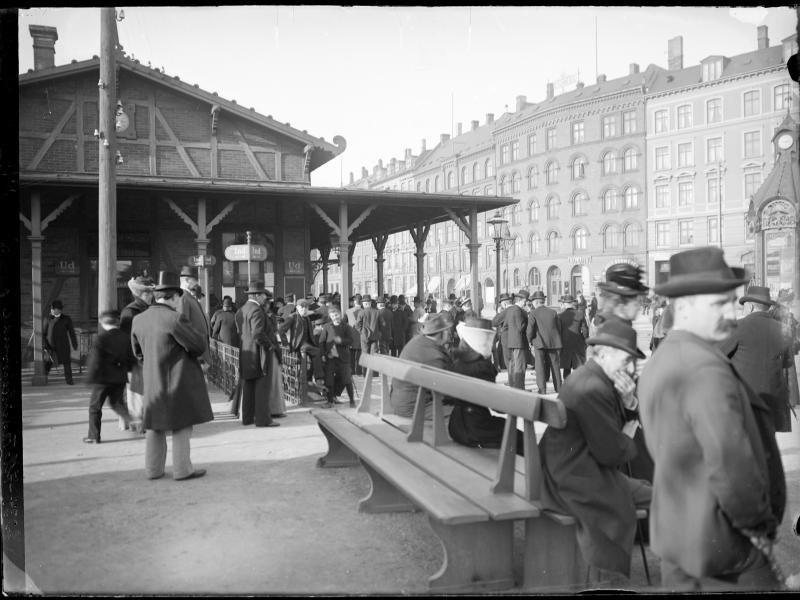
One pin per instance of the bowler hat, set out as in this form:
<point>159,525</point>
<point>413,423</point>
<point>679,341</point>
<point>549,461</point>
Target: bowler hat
<point>522,294</point>
<point>756,293</point>
<point>187,271</point>
<point>624,279</point>
<point>538,295</point>
<point>436,323</point>
<point>167,280</point>
<point>366,298</point>
<point>451,297</point>
<point>616,333</point>
<point>568,299</point>
<point>57,304</point>
<point>503,297</point>
<point>256,287</point>
<point>699,271</point>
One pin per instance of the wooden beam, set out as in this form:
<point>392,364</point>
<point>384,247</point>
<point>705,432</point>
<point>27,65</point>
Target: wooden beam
<point>250,156</point>
<point>51,138</point>
<point>176,142</point>
<point>222,214</point>
<point>57,212</point>
<point>360,219</point>
<point>323,215</point>
<point>461,221</point>
<point>25,221</point>
<point>183,216</point>
<point>151,100</point>
<point>80,163</point>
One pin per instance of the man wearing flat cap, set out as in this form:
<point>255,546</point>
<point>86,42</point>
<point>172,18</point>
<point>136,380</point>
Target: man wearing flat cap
<point>581,464</point>
<point>300,330</point>
<point>760,352</point>
<point>719,481</point>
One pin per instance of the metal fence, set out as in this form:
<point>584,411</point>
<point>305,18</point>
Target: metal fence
<point>224,369</point>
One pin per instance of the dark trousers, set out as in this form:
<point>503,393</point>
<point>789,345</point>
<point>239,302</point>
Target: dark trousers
<point>548,361</point>
<point>355,355</point>
<point>567,369</point>
<point>338,377</point>
<point>67,364</point>
<point>517,365</point>
<point>115,393</point>
<point>316,360</point>
<point>255,402</point>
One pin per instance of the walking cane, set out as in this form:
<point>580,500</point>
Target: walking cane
<point>640,534</point>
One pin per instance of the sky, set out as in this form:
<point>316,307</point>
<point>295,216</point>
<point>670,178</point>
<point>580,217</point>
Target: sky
<point>384,78</point>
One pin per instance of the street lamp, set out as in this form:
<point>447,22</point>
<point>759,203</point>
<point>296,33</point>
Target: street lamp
<point>497,223</point>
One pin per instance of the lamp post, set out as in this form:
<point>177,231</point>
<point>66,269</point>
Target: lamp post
<point>496,223</point>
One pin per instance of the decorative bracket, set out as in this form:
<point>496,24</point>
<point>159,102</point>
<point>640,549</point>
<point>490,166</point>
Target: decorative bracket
<point>222,214</point>
<point>462,222</point>
<point>184,217</point>
<point>214,118</point>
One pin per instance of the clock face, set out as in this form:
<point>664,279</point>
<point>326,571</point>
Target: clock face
<point>785,141</point>
<point>123,122</point>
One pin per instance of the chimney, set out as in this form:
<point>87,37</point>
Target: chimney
<point>763,40</point>
<point>408,153</point>
<point>392,164</point>
<point>521,101</point>
<point>443,137</point>
<point>380,164</point>
<point>633,69</point>
<point>601,78</point>
<point>364,173</point>
<point>352,180</point>
<point>550,91</point>
<point>423,144</point>
<point>579,85</point>
<point>675,53</point>
<point>44,46</point>
<point>401,165</point>
<point>475,125</point>
<point>489,118</point>
<point>459,129</point>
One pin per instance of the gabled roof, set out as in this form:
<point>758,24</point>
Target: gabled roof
<point>323,151</point>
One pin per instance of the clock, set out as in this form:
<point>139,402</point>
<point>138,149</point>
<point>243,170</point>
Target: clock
<point>123,121</point>
<point>785,141</point>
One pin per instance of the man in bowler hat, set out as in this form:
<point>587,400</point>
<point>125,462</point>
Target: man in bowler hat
<point>544,335</point>
<point>719,481</point>
<point>514,321</point>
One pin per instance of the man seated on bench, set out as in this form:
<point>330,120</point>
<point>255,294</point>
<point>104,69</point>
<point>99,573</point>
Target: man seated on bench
<point>471,424</point>
<point>581,463</point>
<point>429,347</point>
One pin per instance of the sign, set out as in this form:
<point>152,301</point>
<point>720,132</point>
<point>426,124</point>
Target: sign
<point>294,267</point>
<point>246,252</point>
<point>66,267</point>
<point>580,260</point>
<point>203,260</point>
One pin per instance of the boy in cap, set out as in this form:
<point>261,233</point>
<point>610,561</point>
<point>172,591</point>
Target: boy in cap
<point>335,340</point>
<point>142,289</point>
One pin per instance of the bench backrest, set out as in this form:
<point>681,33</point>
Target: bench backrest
<point>513,402</point>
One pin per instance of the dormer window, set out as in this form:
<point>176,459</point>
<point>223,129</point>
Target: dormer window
<point>712,68</point>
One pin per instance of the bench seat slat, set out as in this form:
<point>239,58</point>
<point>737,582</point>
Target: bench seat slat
<point>434,497</point>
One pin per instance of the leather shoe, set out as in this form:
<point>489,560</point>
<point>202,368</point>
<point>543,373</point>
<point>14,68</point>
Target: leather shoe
<point>193,475</point>
<point>90,440</point>
<point>272,424</point>
<point>157,476</point>
<point>277,416</point>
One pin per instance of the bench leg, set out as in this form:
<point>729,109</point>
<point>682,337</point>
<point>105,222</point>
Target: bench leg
<point>338,454</point>
<point>477,556</point>
<point>383,496</point>
<point>552,555</point>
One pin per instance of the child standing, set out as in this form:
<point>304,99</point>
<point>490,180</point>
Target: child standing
<point>335,340</point>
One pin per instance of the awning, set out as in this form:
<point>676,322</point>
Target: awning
<point>433,284</point>
<point>462,283</point>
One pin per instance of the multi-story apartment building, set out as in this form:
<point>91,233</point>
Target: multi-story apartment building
<point>709,147</point>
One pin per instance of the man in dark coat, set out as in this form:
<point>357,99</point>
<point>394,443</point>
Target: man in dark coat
<point>384,326</point>
<point>719,479</point>
<point>257,341</point>
<point>427,348</point>
<point>760,352</point>
<point>335,341</point>
<point>515,320</point>
<point>301,338</point>
<point>574,331</point>
<point>58,334</point>
<point>189,306</point>
<point>369,324</point>
<point>110,359</point>
<point>399,327</point>
<point>544,334</point>
<point>142,289</point>
<point>501,351</point>
<point>175,393</point>
<point>581,463</point>
<point>223,324</point>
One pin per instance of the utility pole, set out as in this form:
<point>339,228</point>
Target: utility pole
<point>107,180</point>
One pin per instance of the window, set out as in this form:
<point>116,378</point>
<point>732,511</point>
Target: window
<point>611,237</point>
<point>686,231</point>
<point>662,158</point>
<point>488,191</point>
<point>713,230</point>
<point>437,184</point>
<point>578,168</point>
<point>488,169</point>
<point>516,182</point>
<point>504,185</point>
<point>630,160</point>
<point>609,126</point>
<point>579,201</point>
<point>684,116</point>
<point>551,138</point>
<point>516,278</point>
<point>551,172</point>
<point>631,235</point>
<point>451,180</point>
<point>662,196</point>
<point>515,210</point>
<point>464,175</point>
<point>533,244</point>
<point>712,70</point>
<point>579,241</point>
<point>662,234</point>
<point>781,96</point>
<point>419,186</point>
<point>685,155</point>
<point>552,205</point>
<point>752,144</point>
<point>685,193</point>
<point>609,163</point>
<point>534,278</point>
<point>517,246</point>
<point>577,132</point>
<point>515,150</point>
<point>714,110</point>
<point>714,150</point>
<point>534,210</point>
<point>629,122</point>
<point>427,185</point>
<point>631,198</point>
<point>752,103</point>
<point>533,178</point>
<point>752,181</point>
<point>552,242</point>
<point>713,192</point>
<point>476,172</point>
<point>504,154</point>
<point>610,200</point>
<point>532,144</point>
<point>661,121</point>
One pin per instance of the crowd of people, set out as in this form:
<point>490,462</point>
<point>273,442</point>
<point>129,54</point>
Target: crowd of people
<point>687,433</point>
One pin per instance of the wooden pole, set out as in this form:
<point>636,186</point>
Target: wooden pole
<point>107,188</point>
<point>344,253</point>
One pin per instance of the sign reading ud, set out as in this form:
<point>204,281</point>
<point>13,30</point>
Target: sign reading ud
<point>246,252</point>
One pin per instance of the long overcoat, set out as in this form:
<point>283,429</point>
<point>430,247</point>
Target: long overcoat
<point>420,349</point>
<point>223,327</point>
<point>168,347</point>
<point>257,340</point>
<point>544,328</point>
<point>574,331</point>
<point>110,358</point>
<point>191,309</point>
<point>718,465</point>
<point>580,469</point>
<point>137,307</point>
<point>59,335</point>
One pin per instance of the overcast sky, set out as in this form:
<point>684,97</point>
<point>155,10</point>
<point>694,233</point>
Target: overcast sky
<point>385,78</point>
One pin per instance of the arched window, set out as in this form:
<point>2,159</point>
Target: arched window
<point>533,178</point>
<point>437,184</point>
<point>631,198</point>
<point>476,172</point>
<point>517,245</point>
<point>552,242</point>
<point>533,209</point>
<point>503,184</point>
<point>534,278</point>
<point>631,235</point>
<point>579,201</point>
<point>630,160</point>
<point>610,200</point>
<point>427,185</point>
<point>551,172</point>
<point>580,238</point>
<point>609,163</point>
<point>552,203</point>
<point>611,237</point>
<point>488,169</point>
<point>515,210</point>
<point>516,278</point>
<point>533,244</point>
<point>578,167</point>
<point>464,175</point>
<point>451,180</point>
<point>516,182</point>
<point>419,186</point>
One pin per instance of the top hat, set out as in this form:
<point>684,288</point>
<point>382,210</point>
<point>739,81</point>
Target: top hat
<point>756,293</point>
<point>616,333</point>
<point>256,287</point>
<point>187,271</point>
<point>436,323</point>
<point>503,297</point>
<point>167,280</point>
<point>699,271</point>
<point>623,279</point>
<point>522,294</point>
<point>538,295</point>
<point>451,297</point>
<point>366,298</point>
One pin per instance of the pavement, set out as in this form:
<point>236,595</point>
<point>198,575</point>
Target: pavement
<point>264,519</point>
